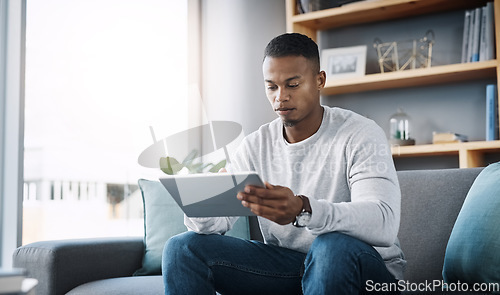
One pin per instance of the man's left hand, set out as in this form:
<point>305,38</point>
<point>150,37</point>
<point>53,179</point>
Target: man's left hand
<point>274,202</point>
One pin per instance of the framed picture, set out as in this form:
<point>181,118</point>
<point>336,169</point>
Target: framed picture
<point>344,62</point>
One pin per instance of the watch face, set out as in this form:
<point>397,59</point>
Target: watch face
<point>303,219</point>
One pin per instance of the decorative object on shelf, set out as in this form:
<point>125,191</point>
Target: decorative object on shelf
<point>447,137</point>
<point>400,129</point>
<point>344,62</point>
<point>403,55</point>
<point>305,6</point>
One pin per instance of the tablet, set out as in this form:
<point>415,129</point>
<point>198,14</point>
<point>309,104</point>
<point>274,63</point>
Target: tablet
<point>211,194</point>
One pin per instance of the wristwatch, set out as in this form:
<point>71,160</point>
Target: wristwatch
<point>302,220</point>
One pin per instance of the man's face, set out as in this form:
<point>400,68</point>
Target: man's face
<point>292,87</point>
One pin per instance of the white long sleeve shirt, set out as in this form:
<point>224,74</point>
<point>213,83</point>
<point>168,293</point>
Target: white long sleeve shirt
<point>345,169</point>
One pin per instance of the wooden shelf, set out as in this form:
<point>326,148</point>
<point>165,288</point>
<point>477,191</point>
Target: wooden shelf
<point>411,78</point>
<point>470,153</point>
<point>366,12</point>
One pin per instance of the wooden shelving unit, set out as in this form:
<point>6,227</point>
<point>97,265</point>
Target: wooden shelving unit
<point>470,154</point>
<point>417,77</point>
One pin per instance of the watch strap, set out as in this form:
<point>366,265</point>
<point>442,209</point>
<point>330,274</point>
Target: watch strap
<point>306,205</point>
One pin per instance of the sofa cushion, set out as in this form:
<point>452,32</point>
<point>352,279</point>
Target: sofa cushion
<point>430,203</point>
<point>472,251</point>
<point>163,219</point>
<point>146,285</point>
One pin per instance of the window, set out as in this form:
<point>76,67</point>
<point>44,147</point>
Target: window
<point>99,73</point>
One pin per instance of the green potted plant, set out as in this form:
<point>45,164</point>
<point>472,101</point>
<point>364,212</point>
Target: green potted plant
<point>190,165</point>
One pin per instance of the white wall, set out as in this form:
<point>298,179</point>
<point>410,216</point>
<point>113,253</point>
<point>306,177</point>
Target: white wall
<point>234,35</point>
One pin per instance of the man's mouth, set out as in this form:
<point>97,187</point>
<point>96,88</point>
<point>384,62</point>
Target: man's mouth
<point>283,111</point>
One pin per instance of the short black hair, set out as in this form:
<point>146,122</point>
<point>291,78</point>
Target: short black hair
<point>294,44</point>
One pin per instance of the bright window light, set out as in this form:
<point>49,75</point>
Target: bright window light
<point>99,73</point>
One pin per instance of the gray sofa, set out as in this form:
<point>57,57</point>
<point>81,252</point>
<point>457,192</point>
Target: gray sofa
<point>431,201</point>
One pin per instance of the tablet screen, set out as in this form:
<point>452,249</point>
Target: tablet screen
<point>211,194</point>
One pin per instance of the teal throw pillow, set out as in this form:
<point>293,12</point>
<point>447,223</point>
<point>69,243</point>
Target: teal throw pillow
<point>472,253</point>
<point>163,219</point>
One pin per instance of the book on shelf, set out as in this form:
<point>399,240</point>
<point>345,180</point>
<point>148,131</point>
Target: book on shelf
<point>482,35</point>
<point>11,280</point>
<point>490,32</point>
<point>447,137</point>
<point>478,43</point>
<point>491,112</point>
<point>465,43</point>
<point>475,35</point>
<point>470,36</point>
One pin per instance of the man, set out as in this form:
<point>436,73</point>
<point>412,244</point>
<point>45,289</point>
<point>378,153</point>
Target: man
<point>329,213</point>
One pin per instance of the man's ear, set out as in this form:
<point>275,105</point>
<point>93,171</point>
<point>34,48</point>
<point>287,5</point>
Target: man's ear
<point>321,80</point>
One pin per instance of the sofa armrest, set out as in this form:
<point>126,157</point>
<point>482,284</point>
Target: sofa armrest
<point>63,265</point>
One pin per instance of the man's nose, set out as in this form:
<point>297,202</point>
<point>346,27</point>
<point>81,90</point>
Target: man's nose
<point>282,95</point>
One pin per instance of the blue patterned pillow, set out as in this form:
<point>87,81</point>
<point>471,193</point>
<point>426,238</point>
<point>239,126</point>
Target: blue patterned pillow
<point>472,253</point>
<point>163,219</point>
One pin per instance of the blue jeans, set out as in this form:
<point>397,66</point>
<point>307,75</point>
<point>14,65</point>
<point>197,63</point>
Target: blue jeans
<point>335,264</point>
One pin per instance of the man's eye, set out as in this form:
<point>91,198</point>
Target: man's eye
<point>293,85</point>
<point>271,87</point>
